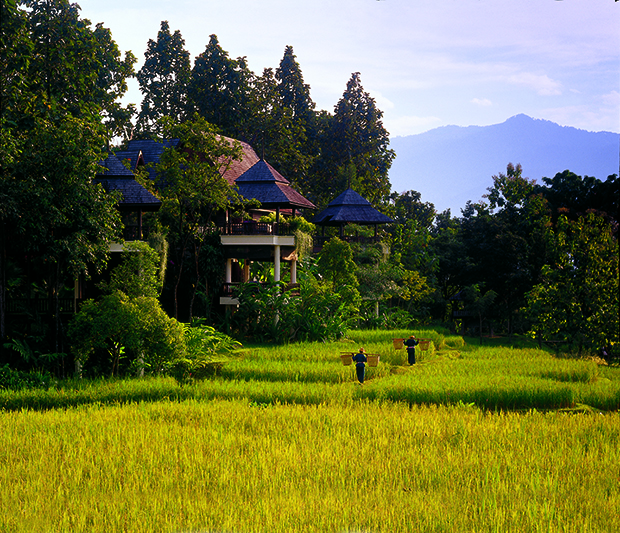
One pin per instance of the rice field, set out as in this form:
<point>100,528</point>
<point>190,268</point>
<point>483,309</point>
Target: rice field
<point>470,439</point>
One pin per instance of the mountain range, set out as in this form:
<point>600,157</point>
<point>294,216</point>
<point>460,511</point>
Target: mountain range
<point>452,164</point>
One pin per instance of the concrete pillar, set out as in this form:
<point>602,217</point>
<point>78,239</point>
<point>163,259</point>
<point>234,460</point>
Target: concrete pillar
<point>228,277</point>
<point>276,261</point>
<point>246,271</point>
<point>293,271</point>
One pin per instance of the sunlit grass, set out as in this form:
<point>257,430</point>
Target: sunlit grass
<point>469,439</point>
<point>241,466</point>
<point>312,373</point>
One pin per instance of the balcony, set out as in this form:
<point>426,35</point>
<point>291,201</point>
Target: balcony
<point>228,296</point>
<point>252,227</point>
<point>136,233</point>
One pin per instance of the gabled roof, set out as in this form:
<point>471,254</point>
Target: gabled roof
<point>255,178</point>
<point>145,151</point>
<point>151,150</point>
<point>117,177</point>
<point>114,167</point>
<point>350,208</point>
<point>237,168</point>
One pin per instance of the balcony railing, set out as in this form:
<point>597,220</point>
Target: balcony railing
<point>252,227</point>
<point>132,233</point>
<point>228,289</point>
<point>319,240</point>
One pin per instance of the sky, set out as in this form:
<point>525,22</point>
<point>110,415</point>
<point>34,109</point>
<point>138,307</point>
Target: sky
<point>427,63</point>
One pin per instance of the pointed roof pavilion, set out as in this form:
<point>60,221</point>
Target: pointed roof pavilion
<point>350,208</point>
<point>264,183</point>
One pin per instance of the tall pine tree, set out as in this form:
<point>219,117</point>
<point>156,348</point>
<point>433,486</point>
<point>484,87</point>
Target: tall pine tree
<point>300,135</point>
<point>219,89</point>
<point>355,138</point>
<point>163,80</point>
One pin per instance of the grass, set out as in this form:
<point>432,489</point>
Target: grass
<point>470,439</point>
<point>239,466</point>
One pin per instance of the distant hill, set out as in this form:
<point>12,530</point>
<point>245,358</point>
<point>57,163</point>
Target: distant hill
<point>450,165</point>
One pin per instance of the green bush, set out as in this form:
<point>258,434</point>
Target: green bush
<point>205,355</point>
<point>118,324</point>
<point>17,380</point>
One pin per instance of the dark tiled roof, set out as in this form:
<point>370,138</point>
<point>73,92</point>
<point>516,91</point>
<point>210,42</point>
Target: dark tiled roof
<point>133,157</point>
<point>255,178</point>
<point>114,167</point>
<point>146,151</point>
<point>264,183</point>
<point>350,207</point>
<point>237,168</point>
<point>151,150</point>
<point>261,172</point>
<point>117,177</point>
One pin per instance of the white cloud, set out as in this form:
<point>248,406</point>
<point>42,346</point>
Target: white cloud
<point>410,125</point>
<point>541,83</point>
<point>420,60</point>
<point>611,99</point>
<point>483,102</point>
<point>382,102</point>
<point>593,116</point>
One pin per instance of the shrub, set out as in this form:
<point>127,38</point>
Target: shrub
<point>205,354</point>
<point>17,380</point>
<point>117,323</point>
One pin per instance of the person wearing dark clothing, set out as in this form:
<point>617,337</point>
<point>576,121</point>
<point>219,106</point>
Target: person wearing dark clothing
<point>411,343</point>
<point>360,365</point>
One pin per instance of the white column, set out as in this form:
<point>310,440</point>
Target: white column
<point>276,260</point>
<point>246,271</point>
<point>228,278</point>
<point>294,271</point>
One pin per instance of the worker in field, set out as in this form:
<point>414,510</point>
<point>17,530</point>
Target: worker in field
<point>360,365</point>
<point>411,343</point>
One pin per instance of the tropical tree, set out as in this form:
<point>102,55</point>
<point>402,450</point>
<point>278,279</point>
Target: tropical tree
<point>336,266</point>
<point>477,303</point>
<point>163,80</point>
<point>127,327</point>
<point>71,66</point>
<point>573,195</point>
<point>408,206</point>
<point>65,222</point>
<point>193,190</point>
<point>294,93</point>
<point>294,96</point>
<point>60,80</point>
<point>268,312</point>
<point>451,264</point>
<point>112,84</point>
<point>507,241</point>
<point>577,298</point>
<point>138,274</point>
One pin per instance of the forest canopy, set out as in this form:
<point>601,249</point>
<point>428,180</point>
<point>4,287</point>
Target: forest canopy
<point>508,264</point>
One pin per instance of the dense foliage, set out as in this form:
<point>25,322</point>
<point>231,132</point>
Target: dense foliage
<point>528,258</point>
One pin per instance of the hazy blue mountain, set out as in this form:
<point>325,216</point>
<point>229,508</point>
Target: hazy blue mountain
<point>453,164</point>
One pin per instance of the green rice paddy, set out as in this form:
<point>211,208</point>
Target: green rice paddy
<point>469,439</point>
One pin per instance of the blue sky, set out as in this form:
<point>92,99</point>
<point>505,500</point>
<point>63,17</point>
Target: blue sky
<point>428,63</point>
